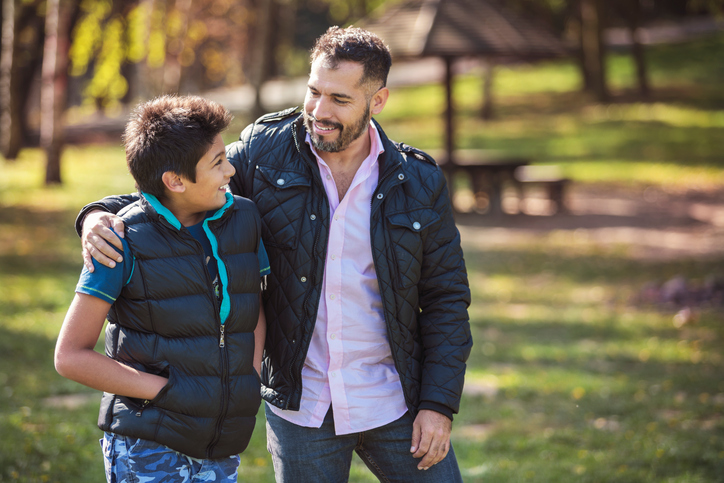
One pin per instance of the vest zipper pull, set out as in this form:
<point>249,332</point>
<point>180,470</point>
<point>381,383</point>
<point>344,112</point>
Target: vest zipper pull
<point>222,342</point>
<point>146,402</point>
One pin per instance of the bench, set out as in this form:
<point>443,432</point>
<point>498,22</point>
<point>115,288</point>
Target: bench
<point>549,178</point>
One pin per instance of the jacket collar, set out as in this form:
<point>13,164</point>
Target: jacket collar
<point>157,211</point>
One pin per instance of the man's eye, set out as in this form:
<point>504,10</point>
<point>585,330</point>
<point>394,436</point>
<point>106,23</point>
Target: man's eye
<point>341,102</point>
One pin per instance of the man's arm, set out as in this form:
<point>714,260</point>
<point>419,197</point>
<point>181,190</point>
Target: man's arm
<point>444,298</point>
<point>94,224</point>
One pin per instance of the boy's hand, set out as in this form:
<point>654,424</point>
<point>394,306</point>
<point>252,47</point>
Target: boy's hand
<point>96,232</point>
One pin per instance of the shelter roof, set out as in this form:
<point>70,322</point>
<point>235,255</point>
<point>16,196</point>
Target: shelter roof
<point>457,28</point>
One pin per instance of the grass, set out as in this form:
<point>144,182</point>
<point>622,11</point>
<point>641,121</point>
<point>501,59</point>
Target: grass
<point>569,380</point>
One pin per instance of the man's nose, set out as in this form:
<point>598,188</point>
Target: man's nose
<point>321,108</point>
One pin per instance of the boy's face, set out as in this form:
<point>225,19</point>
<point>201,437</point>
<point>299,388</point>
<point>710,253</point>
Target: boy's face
<point>213,172</point>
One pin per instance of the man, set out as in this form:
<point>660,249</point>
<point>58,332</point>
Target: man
<point>366,304</point>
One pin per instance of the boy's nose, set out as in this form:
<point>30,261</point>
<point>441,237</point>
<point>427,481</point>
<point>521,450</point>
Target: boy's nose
<point>230,169</point>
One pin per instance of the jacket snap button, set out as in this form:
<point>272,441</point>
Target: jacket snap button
<point>380,196</point>
<point>416,225</point>
<point>280,181</point>
<point>313,216</point>
<point>303,279</point>
<point>401,177</point>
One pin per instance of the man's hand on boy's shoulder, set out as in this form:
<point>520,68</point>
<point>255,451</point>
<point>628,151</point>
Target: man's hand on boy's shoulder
<point>99,229</point>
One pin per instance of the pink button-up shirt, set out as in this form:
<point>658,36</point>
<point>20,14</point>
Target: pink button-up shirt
<point>349,363</point>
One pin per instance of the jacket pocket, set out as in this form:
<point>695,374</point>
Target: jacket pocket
<point>281,198</point>
<point>405,235</point>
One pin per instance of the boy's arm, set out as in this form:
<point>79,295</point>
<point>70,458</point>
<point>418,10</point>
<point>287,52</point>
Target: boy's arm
<point>259,337</point>
<point>75,358</point>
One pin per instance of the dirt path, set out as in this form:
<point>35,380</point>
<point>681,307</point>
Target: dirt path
<point>653,224</point>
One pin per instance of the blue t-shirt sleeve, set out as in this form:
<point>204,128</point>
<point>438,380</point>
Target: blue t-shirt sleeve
<point>106,283</point>
<point>263,260</point>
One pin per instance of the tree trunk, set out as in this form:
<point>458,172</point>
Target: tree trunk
<point>10,130</point>
<point>486,112</point>
<point>172,68</point>
<point>633,18</point>
<point>53,88</point>
<point>261,53</point>
<point>593,46</point>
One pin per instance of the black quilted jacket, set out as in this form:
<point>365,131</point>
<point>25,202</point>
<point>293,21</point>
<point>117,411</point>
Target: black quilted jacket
<point>416,252</point>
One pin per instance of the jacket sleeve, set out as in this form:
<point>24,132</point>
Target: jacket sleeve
<point>237,153</point>
<point>110,204</point>
<point>444,298</point>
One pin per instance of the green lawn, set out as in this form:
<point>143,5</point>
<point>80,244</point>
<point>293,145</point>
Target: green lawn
<point>569,378</point>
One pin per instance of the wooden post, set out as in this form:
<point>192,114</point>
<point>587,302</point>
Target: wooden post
<point>450,111</point>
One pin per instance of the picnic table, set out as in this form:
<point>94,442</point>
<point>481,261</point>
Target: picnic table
<point>489,171</point>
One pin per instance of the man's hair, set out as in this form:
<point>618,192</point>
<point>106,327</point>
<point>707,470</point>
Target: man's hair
<point>356,45</point>
<point>171,133</point>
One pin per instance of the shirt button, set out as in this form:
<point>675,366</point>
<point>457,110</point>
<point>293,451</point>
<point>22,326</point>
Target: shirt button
<point>333,257</point>
<point>312,216</point>
<point>329,176</point>
<point>331,296</point>
<point>303,279</point>
<point>333,336</point>
<point>334,374</point>
<point>280,181</point>
<point>416,225</point>
<point>336,218</point>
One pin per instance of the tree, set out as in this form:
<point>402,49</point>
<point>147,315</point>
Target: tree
<point>54,80</point>
<point>22,46</point>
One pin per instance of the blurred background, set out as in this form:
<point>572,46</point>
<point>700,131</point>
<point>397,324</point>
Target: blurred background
<point>584,145</point>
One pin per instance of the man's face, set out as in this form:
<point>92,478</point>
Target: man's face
<point>336,107</point>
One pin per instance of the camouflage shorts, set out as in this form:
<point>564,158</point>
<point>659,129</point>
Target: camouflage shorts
<point>133,460</point>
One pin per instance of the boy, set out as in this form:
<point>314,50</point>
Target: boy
<point>185,331</point>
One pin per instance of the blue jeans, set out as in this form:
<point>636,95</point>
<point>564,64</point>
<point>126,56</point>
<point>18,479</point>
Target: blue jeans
<point>134,460</point>
<point>314,455</point>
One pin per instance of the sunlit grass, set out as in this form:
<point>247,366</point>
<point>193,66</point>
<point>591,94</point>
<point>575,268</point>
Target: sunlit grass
<point>570,378</point>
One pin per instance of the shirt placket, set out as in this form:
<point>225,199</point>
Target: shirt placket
<point>335,292</point>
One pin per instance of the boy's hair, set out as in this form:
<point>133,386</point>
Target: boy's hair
<point>356,45</point>
<point>170,133</point>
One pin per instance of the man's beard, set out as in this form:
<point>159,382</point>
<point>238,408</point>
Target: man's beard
<point>347,134</point>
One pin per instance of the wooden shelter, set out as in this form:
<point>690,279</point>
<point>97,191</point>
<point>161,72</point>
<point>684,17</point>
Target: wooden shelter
<point>452,29</point>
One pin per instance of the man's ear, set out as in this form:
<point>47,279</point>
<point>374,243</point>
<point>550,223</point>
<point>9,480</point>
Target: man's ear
<point>173,182</point>
<point>379,99</point>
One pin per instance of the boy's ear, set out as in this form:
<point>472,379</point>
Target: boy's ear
<point>173,182</point>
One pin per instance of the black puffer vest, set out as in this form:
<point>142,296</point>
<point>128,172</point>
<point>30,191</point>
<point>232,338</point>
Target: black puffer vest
<point>168,321</point>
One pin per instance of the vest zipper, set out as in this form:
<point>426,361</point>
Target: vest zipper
<point>145,404</point>
<point>224,399</point>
